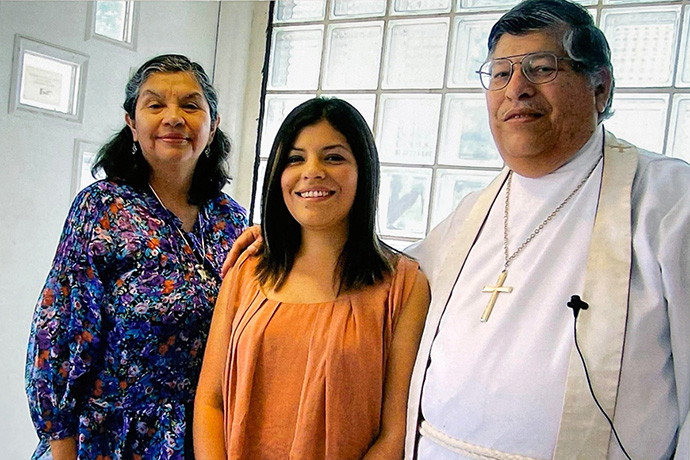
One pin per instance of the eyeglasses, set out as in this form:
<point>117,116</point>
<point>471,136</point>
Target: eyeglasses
<point>538,68</point>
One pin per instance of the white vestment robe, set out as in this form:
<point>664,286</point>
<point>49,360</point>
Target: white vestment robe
<point>514,387</point>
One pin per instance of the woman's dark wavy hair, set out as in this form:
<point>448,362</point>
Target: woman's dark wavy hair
<point>582,40</point>
<point>115,158</point>
<point>365,259</point>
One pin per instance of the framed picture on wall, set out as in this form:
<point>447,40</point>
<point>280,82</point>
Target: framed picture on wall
<point>84,157</point>
<point>47,79</point>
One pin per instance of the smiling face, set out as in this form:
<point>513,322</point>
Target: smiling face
<point>319,181</point>
<point>172,121</point>
<point>538,128</point>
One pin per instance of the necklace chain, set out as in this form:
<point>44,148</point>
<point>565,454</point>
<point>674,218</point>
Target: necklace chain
<point>540,227</point>
<point>179,230</point>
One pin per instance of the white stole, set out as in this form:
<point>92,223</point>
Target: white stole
<point>584,433</point>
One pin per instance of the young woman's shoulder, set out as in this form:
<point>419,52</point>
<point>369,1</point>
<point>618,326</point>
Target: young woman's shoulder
<point>406,263</point>
<point>405,276</point>
<point>403,266</point>
<point>406,272</point>
<point>240,282</point>
<point>244,269</point>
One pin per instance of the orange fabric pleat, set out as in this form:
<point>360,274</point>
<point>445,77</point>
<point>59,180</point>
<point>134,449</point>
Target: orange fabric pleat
<point>305,381</point>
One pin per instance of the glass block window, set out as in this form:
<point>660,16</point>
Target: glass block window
<point>409,67</point>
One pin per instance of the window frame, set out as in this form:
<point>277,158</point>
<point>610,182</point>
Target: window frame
<point>131,25</point>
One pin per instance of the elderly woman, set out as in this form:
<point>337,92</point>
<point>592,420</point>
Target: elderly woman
<point>120,327</point>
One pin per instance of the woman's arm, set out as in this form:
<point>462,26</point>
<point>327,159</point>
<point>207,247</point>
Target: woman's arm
<point>408,332</point>
<point>65,338</point>
<point>209,427</point>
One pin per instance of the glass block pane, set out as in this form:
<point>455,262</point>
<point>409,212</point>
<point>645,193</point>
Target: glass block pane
<point>358,8</point>
<point>276,108</point>
<point>679,130</point>
<point>421,6</point>
<point>466,139</point>
<point>259,179</point>
<point>353,55</point>
<point>479,5</point>
<point>299,10</point>
<point>364,103</point>
<point>407,127</point>
<point>683,72</point>
<point>451,186</point>
<point>295,58</point>
<point>482,5</point>
<point>404,201</point>
<point>643,42</point>
<point>415,54</point>
<point>640,119</point>
<point>111,20</point>
<point>469,49</point>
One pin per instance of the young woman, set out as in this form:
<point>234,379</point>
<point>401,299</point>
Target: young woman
<point>313,341</point>
<point>119,329</point>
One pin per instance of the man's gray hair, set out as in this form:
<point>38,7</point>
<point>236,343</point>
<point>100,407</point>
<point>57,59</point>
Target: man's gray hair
<point>582,40</point>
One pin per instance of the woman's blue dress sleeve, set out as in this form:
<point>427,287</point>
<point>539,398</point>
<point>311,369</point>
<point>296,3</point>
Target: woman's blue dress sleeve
<point>65,337</point>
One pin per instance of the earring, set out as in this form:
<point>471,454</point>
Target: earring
<point>207,152</point>
<point>134,148</point>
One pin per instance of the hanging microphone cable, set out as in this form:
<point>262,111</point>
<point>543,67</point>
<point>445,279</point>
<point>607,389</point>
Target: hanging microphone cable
<point>578,304</point>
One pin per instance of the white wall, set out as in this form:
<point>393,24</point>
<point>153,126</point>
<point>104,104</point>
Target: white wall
<point>36,151</point>
<point>241,50</point>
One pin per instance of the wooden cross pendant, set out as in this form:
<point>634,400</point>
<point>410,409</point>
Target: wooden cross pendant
<point>494,290</point>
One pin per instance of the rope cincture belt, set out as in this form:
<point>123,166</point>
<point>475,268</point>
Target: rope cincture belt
<point>465,448</point>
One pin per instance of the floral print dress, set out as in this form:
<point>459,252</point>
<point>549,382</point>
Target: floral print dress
<point>119,329</point>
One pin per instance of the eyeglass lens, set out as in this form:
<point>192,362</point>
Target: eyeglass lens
<point>537,68</point>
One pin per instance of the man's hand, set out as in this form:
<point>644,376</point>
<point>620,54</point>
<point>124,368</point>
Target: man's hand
<point>249,241</point>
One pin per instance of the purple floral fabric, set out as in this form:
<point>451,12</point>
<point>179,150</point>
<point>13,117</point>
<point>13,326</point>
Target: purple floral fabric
<point>119,329</point>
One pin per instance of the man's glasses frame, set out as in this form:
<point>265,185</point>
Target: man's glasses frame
<point>537,74</point>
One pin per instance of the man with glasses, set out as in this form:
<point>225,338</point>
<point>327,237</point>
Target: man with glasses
<point>576,212</point>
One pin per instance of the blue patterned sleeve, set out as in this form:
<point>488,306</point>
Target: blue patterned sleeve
<point>65,332</point>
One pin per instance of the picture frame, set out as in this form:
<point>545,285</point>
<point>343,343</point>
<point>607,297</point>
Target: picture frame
<point>83,158</point>
<point>47,79</point>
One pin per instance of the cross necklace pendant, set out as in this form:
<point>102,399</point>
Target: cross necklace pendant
<point>203,274</point>
<point>495,290</point>
<point>499,287</point>
<point>199,266</point>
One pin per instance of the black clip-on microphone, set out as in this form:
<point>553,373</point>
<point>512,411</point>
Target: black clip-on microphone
<point>577,304</point>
